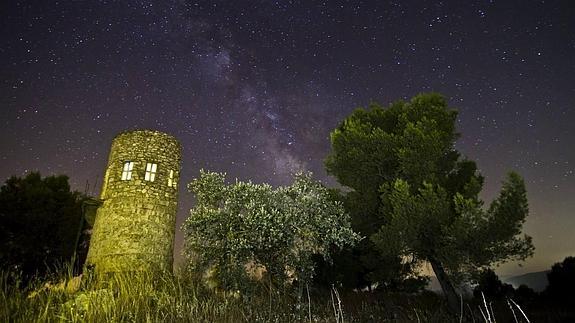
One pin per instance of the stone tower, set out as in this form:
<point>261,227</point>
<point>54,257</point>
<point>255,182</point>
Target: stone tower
<point>135,225</point>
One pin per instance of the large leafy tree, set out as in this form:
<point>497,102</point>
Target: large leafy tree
<point>236,226</point>
<point>39,223</point>
<point>422,196</point>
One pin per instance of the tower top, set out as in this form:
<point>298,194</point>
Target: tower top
<point>147,132</point>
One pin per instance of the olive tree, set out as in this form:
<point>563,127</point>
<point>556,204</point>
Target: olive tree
<point>236,226</point>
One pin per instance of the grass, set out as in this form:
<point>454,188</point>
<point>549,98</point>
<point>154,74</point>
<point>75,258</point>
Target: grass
<point>143,297</point>
<point>128,297</point>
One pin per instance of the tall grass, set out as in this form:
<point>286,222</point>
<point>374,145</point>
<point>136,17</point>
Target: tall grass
<point>124,297</point>
<point>140,297</point>
<point>145,297</point>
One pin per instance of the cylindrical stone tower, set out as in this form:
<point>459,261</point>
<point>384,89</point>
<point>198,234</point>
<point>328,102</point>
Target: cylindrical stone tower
<point>135,225</point>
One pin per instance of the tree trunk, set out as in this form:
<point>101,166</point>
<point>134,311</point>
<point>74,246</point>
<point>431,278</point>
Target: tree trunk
<point>446,286</point>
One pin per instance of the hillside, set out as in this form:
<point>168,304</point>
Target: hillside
<point>536,280</point>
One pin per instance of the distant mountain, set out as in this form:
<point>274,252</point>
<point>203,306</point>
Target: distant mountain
<point>537,280</point>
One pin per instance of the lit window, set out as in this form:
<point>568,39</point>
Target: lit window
<point>127,171</point>
<point>150,172</point>
<point>171,181</point>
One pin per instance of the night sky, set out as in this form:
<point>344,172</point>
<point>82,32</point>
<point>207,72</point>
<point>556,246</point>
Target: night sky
<point>253,88</point>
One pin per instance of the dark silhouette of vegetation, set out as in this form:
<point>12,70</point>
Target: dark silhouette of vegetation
<point>39,223</point>
<point>491,287</point>
<point>415,197</point>
<point>525,295</point>
<point>551,305</point>
<point>561,288</point>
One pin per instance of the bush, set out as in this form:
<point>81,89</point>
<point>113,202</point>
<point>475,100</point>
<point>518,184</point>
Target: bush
<point>274,232</point>
<point>561,279</point>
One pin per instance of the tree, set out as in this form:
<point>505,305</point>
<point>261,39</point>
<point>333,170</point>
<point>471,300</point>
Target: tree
<point>562,282</point>
<point>492,287</point>
<point>242,225</point>
<point>39,223</point>
<point>362,265</point>
<point>428,207</point>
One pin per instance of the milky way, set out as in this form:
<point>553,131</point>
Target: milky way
<point>253,88</point>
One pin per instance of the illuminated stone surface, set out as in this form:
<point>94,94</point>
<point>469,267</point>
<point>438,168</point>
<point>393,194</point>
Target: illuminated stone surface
<point>135,226</point>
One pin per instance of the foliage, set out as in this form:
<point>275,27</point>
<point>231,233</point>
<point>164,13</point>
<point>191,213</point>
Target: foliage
<point>363,266</point>
<point>421,196</point>
<point>562,282</point>
<point>39,222</point>
<point>373,147</point>
<point>432,225</point>
<point>246,225</point>
<point>489,285</point>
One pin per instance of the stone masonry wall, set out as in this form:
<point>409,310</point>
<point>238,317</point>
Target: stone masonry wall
<point>135,226</point>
